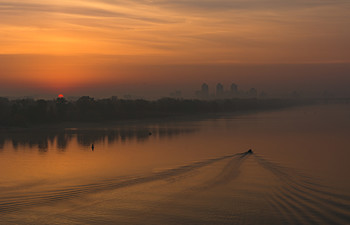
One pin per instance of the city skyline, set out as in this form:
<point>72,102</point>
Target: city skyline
<point>206,92</point>
<point>147,48</point>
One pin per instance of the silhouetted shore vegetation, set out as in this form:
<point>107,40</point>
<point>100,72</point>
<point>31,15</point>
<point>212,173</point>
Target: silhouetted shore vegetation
<point>30,112</point>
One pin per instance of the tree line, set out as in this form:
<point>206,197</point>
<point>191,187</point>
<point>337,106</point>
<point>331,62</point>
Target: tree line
<point>27,112</point>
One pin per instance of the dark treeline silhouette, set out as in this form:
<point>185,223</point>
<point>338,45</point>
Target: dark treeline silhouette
<point>27,112</point>
<point>42,139</point>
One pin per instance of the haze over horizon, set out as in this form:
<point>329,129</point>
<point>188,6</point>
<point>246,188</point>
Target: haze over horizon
<point>174,112</point>
<point>151,48</point>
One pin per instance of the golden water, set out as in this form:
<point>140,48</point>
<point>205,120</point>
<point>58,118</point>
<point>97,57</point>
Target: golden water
<point>183,172</point>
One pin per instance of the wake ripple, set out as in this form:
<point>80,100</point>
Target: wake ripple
<point>18,202</point>
<point>230,172</point>
<point>302,201</point>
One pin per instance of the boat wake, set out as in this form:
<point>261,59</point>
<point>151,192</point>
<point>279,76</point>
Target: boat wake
<point>302,201</point>
<point>293,197</point>
<point>17,202</point>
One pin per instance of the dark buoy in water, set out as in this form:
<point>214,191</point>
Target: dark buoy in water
<point>92,147</point>
<point>250,151</point>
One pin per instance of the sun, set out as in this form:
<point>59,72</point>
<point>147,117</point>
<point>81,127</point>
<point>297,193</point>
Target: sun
<point>60,96</point>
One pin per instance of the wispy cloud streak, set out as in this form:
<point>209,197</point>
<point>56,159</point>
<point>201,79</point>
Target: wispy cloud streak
<point>221,30</point>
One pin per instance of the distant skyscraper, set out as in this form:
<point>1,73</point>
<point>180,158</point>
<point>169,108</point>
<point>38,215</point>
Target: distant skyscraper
<point>176,94</point>
<point>252,93</point>
<point>205,90</point>
<point>234,90</point>
<point>219,90</point>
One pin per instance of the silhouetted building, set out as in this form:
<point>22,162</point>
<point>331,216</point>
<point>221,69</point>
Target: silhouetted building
<point>263,94</point>
<point>204,92</point>
<point>219,90</point>
<point>127,96</point>
<point>205,89</point>
<point>176,94</point>
<point>252,93</point>
<point>233,90</point>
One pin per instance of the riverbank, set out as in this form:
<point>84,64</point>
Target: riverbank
<point>87,112</point>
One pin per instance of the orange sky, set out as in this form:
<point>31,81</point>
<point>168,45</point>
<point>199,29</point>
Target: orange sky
<point>69,45</point>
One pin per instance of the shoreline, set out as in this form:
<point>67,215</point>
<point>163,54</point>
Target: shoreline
<point>178,118</point>
<point>157,118</point>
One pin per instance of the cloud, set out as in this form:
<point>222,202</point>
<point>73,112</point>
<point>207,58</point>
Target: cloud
<point>87,11</point>
<point>188,31</point>
<point>224,5</point>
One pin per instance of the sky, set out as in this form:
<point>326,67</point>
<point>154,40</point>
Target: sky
<point>153,47</point>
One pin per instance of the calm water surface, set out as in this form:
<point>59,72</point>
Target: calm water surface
<point>183,172</point>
